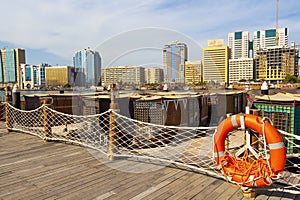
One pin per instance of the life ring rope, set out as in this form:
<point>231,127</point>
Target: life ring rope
<point>240,170</point>
<point>250,171</point>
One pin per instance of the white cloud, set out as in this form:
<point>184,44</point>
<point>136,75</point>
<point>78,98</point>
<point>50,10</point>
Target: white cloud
<point>63,26</point>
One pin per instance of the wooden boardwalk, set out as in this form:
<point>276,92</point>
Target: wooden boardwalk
<point>31,169</point>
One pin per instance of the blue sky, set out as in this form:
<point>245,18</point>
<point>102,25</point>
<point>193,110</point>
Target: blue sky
<point>133,31</point>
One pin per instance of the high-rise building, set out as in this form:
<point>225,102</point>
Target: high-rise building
<point>238,43</point>
<point>33,76</point>
<point>129,75</point>
<point>154,75</point>
<point>274,63</point>
<point>10,62</point>
<point>87,65</point>
<point>192,72</point>
<point>174,57</point>
<point>59,76</point>
<point>215,62</point>
<point>241,68</point>
<point>267,38</point>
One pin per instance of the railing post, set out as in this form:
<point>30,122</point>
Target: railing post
<point>112,124</point>
<point>7,109</point>
<point>47,128</point>
<point>7,117</point>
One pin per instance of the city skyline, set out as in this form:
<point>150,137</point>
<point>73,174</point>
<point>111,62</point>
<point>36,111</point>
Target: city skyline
<point>50,31</point>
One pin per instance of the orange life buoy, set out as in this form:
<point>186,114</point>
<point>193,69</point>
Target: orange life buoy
<point>260,172</point>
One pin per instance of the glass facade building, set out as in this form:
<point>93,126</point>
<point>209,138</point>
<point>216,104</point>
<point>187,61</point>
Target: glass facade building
<point>87,65</point>
<point>10,66</point>
<point>174,58</point>
<point>10,61</point>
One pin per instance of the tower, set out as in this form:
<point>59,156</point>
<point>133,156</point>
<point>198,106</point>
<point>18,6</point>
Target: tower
<point>174,57</point>
<point>269,38</point>
<point>87,65</point>
<point>10,62</point>
<point>238,43</point>
<point>215,62</point>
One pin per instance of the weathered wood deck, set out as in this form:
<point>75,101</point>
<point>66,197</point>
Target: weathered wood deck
<point>31,169</point>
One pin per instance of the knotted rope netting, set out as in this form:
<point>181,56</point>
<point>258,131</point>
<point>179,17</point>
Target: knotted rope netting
<point>115,135</point>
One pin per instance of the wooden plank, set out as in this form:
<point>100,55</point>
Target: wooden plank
<point>151,190</point>
<point>141,181</point>
<point>84,181</point>
<point>171,179</point>
<point>219,190</point>
<point>204,188</point>
<point>114,179</point>
<point>148,183</point>
<point>122,182</point>
<point>30,169</point>
<point>170,191</point>
<point>191,186</point>
<point>38,180</point>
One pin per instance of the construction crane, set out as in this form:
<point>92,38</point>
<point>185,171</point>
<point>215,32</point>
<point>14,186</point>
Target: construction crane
<point>277,35</point>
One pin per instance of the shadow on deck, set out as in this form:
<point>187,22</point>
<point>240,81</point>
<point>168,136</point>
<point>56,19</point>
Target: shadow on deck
<point>31,169</point>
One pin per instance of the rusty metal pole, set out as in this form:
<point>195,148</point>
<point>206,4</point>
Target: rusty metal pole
<point>112,124</point>
<point>249,192</point>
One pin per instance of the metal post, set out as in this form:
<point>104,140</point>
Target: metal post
<point>46,123</point>
<point>250,138</point>
<point>264,88</point>
<point>112,124</point>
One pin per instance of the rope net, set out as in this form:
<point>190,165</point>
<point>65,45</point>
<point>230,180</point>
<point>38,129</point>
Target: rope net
<point>119,136</point>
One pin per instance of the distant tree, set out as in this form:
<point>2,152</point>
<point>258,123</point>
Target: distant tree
<point>200,83</point>
<point>243,80</point>
<point>67,85</point>
<point>291,79</point>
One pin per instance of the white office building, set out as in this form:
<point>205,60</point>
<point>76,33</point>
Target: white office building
<point>238,43</point>
<point>241,68</point>
<point>267,38</point>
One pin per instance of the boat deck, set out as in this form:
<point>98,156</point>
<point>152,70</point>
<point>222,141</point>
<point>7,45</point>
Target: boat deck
<point>31,169</point>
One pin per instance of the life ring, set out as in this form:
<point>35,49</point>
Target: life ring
<point>263,170</point>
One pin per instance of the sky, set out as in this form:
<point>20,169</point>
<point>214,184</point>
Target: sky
<point>133,32</point>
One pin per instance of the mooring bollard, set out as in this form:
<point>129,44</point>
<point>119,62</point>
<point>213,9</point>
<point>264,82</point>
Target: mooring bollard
<point>16,97</point>
<point>248,192</point>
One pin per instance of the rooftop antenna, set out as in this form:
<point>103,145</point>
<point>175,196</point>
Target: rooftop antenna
<point>277,36</point>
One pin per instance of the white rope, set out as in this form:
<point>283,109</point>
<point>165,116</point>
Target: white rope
<point>164,126</point>
<point>265,142</point>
